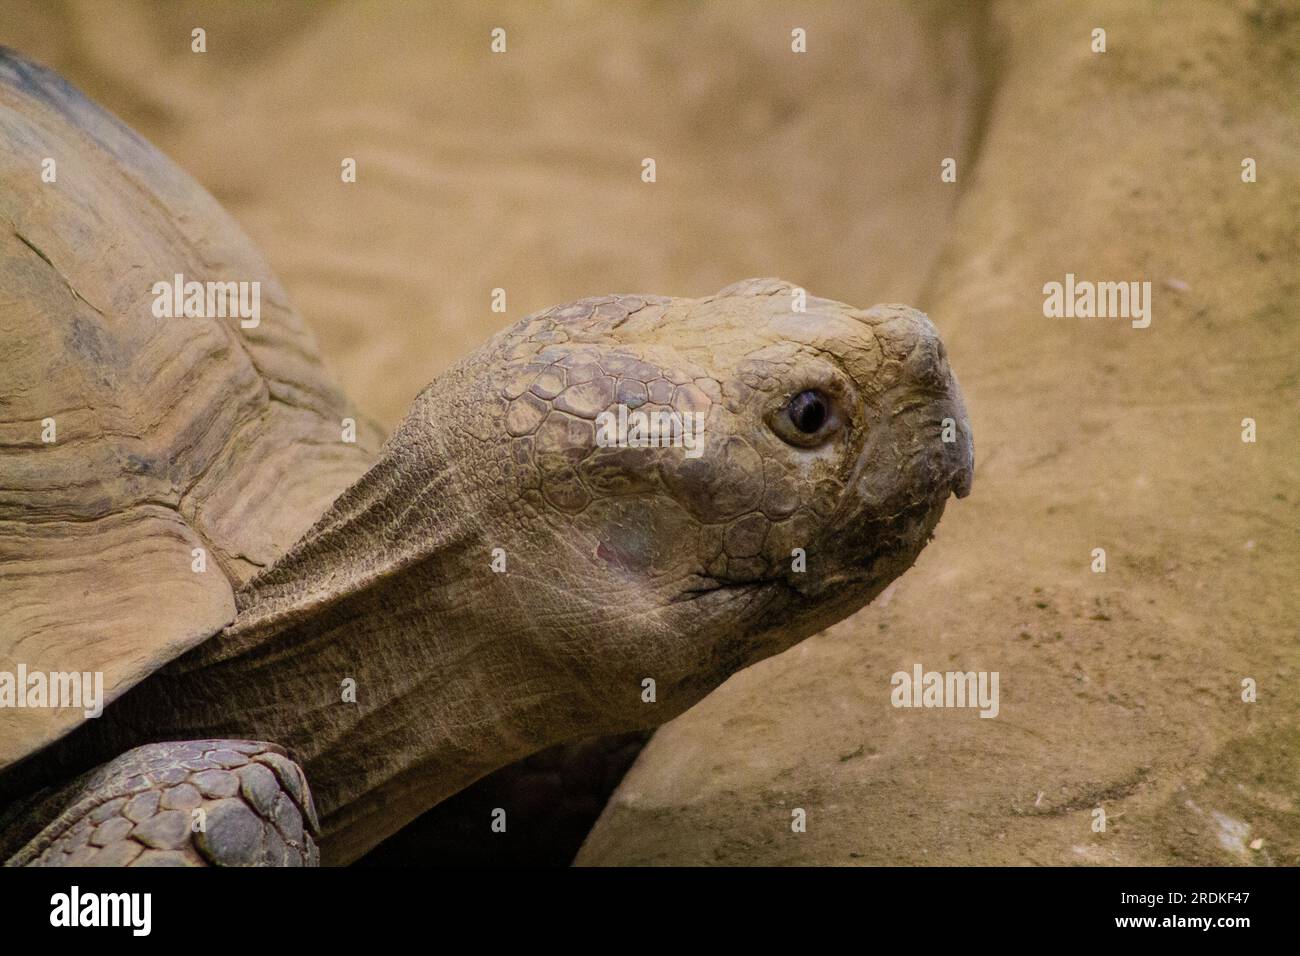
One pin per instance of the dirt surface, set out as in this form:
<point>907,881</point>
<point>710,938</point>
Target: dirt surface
<point>521,171</point>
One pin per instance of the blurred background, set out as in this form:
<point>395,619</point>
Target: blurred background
<point>522,171</point>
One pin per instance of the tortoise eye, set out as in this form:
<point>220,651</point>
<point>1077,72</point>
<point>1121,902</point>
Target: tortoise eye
<point>807,419</point>
<point>807,411</point>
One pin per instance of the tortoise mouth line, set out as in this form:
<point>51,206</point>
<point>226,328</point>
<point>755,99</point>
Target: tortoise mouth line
<point>711,587</point>
<point>801,594</point>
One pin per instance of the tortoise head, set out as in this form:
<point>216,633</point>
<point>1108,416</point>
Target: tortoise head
<point>687,486</point>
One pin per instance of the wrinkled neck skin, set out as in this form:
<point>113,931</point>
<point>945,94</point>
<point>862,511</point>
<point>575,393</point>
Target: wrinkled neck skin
<point>385,652</point>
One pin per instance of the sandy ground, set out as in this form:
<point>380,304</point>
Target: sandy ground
<point>1119,690</point>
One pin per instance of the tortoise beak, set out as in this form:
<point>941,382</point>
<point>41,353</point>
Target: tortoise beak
<point>927,368</point>
<point>961,453</point>
<point>964,478</point>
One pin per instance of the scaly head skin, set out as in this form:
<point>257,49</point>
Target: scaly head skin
<point>822,436</point>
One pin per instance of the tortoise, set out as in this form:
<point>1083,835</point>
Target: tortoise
<point>274,596</point>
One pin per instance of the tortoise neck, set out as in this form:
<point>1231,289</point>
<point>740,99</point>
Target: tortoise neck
<point>380,652</point>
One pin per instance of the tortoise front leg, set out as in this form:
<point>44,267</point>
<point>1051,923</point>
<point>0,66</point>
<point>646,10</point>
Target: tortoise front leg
<point>189,803</point>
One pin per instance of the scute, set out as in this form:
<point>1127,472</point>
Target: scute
<point>175,439</point>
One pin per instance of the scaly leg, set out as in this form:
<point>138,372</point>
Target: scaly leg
<point>189,803</point>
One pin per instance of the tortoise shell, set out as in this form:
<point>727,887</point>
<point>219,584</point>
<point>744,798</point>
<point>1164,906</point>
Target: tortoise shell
<point>149,465</point>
